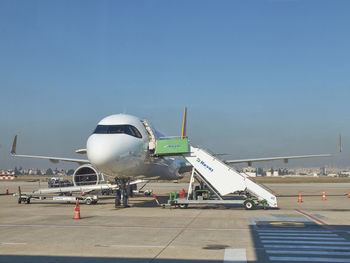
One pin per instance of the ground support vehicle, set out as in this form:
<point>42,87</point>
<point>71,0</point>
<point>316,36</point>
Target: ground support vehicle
<point>87,199</point>
<point>204,194</point>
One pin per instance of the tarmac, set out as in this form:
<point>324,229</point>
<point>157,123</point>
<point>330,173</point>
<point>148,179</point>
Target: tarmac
<point>315,230</point>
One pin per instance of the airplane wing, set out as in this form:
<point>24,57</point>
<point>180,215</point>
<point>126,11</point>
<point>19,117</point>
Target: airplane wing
<point>51,159</point>
<point>284,158</point>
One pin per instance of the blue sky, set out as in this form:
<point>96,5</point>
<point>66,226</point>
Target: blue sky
<point>260,78</point>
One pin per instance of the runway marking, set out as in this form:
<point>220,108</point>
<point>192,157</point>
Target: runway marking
<point>297,234</point>
<point>294,231</point>
<point>307,247</point>
<point>253,220</point>
<point>313,259</point>
<point>305,242</point>
<point>287,224</point>
<point>302,238</point>
<point>122,227</point>
<point>301,252</point>
<point>10,243</point>
<point>235,255</point>
<point>126,246</point>
<point>318,221</point>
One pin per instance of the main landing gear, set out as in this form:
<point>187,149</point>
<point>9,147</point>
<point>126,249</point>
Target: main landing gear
<point>123,193</point>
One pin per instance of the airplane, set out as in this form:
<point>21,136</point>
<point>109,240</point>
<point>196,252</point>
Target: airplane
<point>123,146</point>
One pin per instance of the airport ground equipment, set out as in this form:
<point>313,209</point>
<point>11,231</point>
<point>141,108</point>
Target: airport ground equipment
<point>81,189</point>
<point>218,177</point>
<point>48,193</point>
<point>205,194</point>
<point>58,182</point>
<point>87,199</point>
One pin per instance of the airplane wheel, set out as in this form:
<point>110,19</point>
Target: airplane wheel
<point>125,200</point>
<point>249,204</point>
<point>117,199</point>
<point>117,202</point>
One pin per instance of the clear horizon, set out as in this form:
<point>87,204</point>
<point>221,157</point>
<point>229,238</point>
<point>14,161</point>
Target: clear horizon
<point>259,78</point>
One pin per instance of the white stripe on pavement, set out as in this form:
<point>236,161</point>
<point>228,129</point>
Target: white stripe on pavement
<point>305,242</point>
<point>313,259</point>
<point>304,238</point>
<point>297,234</point>
<point>294,231</point>
<point>235,255</point>
<point>10,243</point>
<point>307,247</point>
<point>307,252</point>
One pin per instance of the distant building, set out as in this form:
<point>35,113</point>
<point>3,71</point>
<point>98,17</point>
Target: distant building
<point>332,175</point>
<point>250,174</point>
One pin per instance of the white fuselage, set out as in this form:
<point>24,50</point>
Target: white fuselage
<point>119,147</point>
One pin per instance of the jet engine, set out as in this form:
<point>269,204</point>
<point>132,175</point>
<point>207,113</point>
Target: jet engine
<point>87,175</point>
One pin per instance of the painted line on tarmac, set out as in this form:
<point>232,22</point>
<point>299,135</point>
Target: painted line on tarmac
<point>302,238</point>
<point>295,231</point>
<point>126,246</point>
<point>306,247</point>
<point>313,259</point>
<point>303,252</point>
<point>305,242</point>
<point>316,220</point>
<point>12,243</point>
<point>253,220</point>
<point>235,255</point>
<point>122,227</point>
<point>297,234</point>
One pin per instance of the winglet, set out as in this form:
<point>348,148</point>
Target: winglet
<point>183,133</point>
<point>14,145</point>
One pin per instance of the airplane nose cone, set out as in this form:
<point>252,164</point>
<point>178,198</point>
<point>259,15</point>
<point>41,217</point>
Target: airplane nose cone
<point>114,152</point>
<point>99,150</point>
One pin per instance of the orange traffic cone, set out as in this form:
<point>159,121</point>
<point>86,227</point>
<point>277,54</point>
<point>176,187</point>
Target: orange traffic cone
<point>324,195</point>
<point>77,211</point>
<point>349,195</point>
<point>299,198</point>
<point>7,191</point>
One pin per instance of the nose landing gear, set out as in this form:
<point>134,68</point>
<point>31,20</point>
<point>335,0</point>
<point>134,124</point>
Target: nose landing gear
<point>122,195</point>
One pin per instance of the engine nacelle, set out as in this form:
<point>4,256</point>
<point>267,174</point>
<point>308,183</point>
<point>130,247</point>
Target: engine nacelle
<point>87,175</point>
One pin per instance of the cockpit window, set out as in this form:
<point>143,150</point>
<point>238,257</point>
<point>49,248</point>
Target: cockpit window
<point>114,129</point>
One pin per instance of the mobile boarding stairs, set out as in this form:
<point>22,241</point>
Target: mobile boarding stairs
<point>215,177</point>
